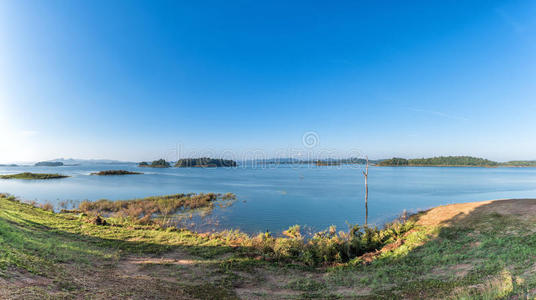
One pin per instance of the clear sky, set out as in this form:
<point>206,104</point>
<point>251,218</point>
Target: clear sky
<point>130,80</point>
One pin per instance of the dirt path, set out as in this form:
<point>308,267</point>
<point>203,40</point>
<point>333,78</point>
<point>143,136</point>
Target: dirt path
<point>448,214</point>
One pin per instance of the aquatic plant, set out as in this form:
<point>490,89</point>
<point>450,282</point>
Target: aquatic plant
<point>155,209</point>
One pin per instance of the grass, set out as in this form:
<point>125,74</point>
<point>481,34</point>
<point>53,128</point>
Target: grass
<point>159,210</point>
<point>483,251</point>
<point>33,176</point>
<point>115,172</point>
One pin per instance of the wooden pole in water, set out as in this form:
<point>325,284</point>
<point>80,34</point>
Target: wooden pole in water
<point>365,173</point>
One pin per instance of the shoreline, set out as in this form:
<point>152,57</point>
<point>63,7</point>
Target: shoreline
<point>47,251</point>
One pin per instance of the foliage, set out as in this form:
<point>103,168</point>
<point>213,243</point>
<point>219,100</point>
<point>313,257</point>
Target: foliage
<point>395,161</point>
<point>47,207</point>
<point>29,176</point>
<point>161,163</point>
<point>325,247</point>
<point>205,162</point>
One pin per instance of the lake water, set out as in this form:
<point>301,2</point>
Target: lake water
<point>275,198</point>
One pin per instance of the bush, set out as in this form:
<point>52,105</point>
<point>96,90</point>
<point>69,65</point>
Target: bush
<point>329,246</point>
<point>47,207</point>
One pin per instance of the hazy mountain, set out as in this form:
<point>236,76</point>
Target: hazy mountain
<point>74,161</point>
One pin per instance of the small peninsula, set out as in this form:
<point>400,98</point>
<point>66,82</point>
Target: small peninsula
<point>161,163</point>
<point>205,162</point>
<point>115,172</point>
<point>33,176</point>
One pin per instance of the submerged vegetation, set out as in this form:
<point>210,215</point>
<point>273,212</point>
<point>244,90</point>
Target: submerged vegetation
<point>115,172</point>
<point>161,163</point>
<point>463,251</point>
<point>154,210</point>
<point>29,176</point>
<point>205,162</point>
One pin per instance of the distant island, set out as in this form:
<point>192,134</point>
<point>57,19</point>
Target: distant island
<point>115,172</point>
<point>8,165</point>
<point>30,176</point>
<point>327,163</point>
<point>161,163</point>
<point>520,163</point>
<point>452,161</point>
<point>49,164</point>
<point>76,161</point>
<point>205,162</point>
<point>318,162</point>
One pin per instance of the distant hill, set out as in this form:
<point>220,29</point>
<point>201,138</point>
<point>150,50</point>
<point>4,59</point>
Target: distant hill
<point>320,162</point>
<point>74,161</point>
<point>440,161</point>
<point>520,163</point>
<point>49,164</point>
<point>205,162</point>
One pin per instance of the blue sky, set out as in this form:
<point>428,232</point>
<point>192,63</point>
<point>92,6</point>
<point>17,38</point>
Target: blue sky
<point>131,80</point>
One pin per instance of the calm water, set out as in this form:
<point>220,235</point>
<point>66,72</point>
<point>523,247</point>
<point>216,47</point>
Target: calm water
<point>275,198</point>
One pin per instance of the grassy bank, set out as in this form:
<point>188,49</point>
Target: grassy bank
<point>157,210</point>
<point>33,176</point>
<point>476,250</point>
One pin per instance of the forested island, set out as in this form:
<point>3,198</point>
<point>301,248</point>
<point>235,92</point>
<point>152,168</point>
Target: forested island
<point>205,162</point>
<point>452,161</point>
<point>202,162</point>
<point>34,176</point>
<point>161,163</point>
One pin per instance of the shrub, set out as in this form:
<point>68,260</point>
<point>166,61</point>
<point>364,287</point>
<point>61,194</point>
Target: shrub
<point>47,207</point>
<point>329,246</point>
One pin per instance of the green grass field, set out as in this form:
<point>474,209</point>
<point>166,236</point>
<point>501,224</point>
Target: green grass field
<point>474,251</point>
